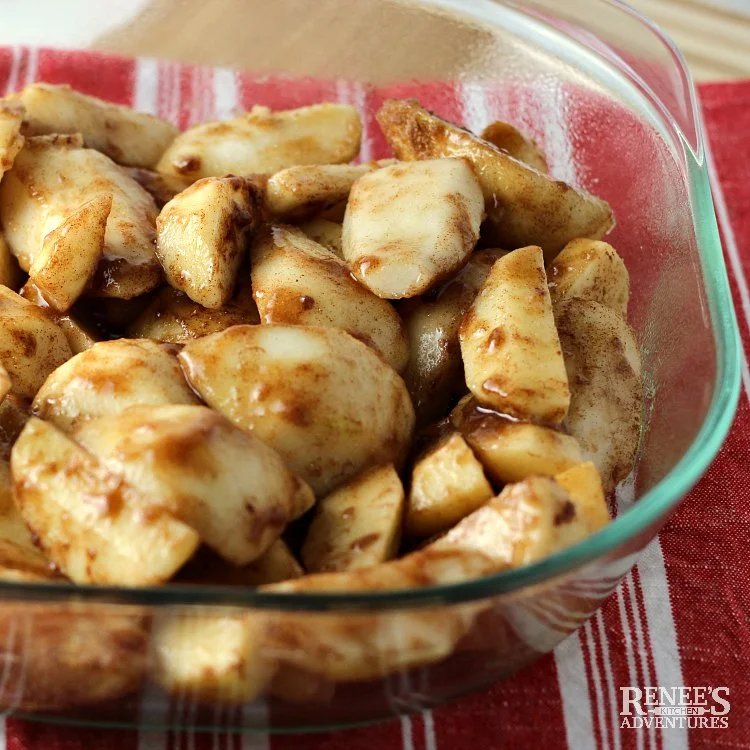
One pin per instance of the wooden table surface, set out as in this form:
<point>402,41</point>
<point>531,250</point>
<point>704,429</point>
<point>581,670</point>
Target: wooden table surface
<point>268,34</point>
<point>715,40</point>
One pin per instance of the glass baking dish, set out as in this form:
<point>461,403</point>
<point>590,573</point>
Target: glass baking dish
<point>611,102</point>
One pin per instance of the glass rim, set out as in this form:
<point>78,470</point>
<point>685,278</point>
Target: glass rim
<point>653,507</point>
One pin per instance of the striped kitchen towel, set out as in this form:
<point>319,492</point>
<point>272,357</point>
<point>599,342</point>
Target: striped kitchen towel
<point>681,618</point>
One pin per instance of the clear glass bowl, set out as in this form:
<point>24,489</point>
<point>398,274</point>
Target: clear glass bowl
<point>610,100</point>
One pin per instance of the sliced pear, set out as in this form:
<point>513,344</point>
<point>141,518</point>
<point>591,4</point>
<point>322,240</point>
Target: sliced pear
<point>604,371</point>
<point>591,270</point>
<point>525,206</point>
<point>509,343</point>
<point>174,318</point>
<point>110,377</point>
<point>409,226</point>
<point>20,558</point>
<point>584,485</point>
<point>53,176</point>
<point>447,483</point>
<point>358,525</point>
<point>208,657</point>
<point>326,402</point>
<point>11,140</point>
<point>435,373</point>
<point>201,237</point>
<point>296,281</point>
<point>326,233</point>
<point>276,564</point>
<point>71,253</point>
<point>31,344</point>
<point>80,336</point>
<point>93,525</point>
<point>124,135</point>
<point>192,462</point>
<point>511,140</point>
<point>301,192</point>
<point>512,451</point>
<point>70,656</point>
<point>525,523</point>
<point>264,142</point>
<point>362,646</point>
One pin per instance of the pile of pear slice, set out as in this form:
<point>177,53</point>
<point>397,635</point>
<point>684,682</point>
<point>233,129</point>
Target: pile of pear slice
<point>231,356</point>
